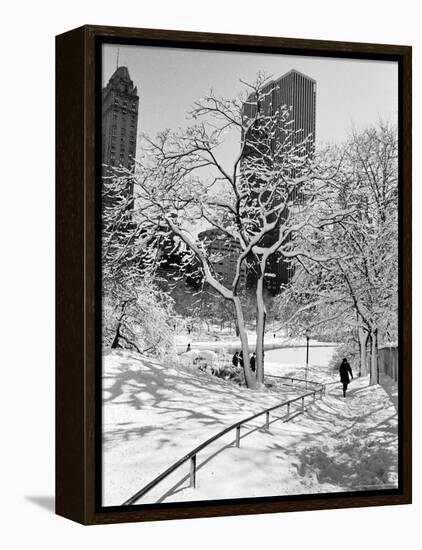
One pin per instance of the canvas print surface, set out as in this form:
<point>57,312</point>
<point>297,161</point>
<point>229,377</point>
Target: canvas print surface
<point>250,275</point>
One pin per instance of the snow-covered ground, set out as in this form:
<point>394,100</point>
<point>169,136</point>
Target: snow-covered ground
<point>155,414</point>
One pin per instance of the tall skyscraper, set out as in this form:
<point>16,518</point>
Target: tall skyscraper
<point>297,92</point>
<point>120,103</point>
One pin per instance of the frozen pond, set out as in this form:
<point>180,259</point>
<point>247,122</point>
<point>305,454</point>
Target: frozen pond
<point>318,356</point>
<point>291,361</point>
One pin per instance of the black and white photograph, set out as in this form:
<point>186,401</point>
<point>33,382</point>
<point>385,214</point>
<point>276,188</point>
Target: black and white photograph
<point>250,264</point>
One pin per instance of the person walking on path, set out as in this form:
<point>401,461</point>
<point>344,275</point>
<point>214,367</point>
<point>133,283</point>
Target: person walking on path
<point>188,348</point>
<point>235,359</point>
<point>345,370</point>
<point>253,362</point>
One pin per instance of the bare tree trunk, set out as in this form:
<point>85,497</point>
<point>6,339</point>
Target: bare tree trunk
<point>115,344</point>
<point>374,377</point>
<point>249,377</point>
<point>260,330</point>
<point>363,340</point>
<point>116,340</point>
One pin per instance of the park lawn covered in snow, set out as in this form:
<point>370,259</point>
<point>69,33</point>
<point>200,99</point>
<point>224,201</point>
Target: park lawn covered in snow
<point>153,415</point>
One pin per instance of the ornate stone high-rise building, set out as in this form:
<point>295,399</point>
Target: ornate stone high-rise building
<point>120,103</point>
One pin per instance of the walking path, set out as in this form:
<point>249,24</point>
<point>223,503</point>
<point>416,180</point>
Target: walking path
<point>338,445</point>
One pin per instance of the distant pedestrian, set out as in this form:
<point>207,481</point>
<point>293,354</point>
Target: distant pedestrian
<point>188,348</point>
<point>241,359</point>
<point>235,359</point>
<point>253,362</point>
<point>345,370</point>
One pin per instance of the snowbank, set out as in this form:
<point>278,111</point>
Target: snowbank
<point>153,415</point>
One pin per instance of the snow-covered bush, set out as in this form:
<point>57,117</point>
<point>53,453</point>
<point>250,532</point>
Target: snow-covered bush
<point>217,364</point>
<point>203,359</point>
<point>137,317</point>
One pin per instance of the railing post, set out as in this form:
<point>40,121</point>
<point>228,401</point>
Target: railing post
<point>237,436</point>
<point>193,471</point>
<point>267,420</point>
<point>288,411</point>
<point>306,386</point>
<point>303,405</point>
<point>314,396</point>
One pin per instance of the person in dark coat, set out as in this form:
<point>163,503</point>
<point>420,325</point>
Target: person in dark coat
<point>241,359</point>
<point>345,370</point>
<point>235,359</point>
<point>188,348</point>
<point>253,362</point>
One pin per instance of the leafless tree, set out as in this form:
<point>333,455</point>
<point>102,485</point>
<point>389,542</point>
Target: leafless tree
<point>358,288</point>
<point>259,201</point>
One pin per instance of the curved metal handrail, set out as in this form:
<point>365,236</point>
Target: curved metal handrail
<point>299,380</point>
<point>236,426</point>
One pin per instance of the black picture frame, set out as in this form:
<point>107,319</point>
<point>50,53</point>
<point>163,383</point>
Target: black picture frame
<point>78,303</point>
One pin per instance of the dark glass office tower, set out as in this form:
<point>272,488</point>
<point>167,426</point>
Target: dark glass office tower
<point>297,92</point>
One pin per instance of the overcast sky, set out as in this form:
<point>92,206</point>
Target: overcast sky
<point>350,93</point>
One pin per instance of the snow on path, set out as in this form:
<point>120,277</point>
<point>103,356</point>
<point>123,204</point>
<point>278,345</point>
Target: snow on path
<point>338,445</point>
<point>154,415</point>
